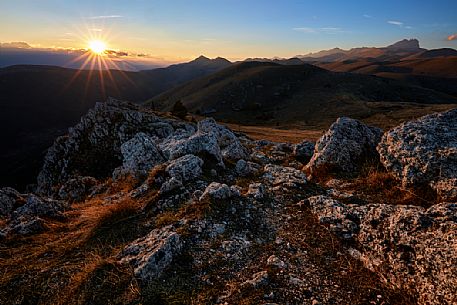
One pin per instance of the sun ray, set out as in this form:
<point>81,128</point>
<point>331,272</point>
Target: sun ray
<point>100,73</point>
<point>113,81</point>
<point>98,56</point>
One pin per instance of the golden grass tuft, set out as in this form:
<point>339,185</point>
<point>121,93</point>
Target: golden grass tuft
<point>379,186</point>
<point>74,262</point>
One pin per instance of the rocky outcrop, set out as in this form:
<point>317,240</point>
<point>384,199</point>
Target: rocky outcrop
<point>8,200</point>
<point>218,191</point>
<point>230,145</point>
<point>151,254</point>
<point>99,136</point>
<point>181,171</point>
<point>408,246</point>
<point>424,152</point>
<point>246,168</point>
<point>344,147</point>
<point>280,176</point>
<point>76,189</point>
<point>130,141</point>
<point>304,151</point>
<point>185,168</point>
<point>199,144</point>
<point>140,155</point>
<point>25,213</point>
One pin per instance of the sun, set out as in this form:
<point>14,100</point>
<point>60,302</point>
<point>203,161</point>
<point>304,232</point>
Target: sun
<point>97,46</point>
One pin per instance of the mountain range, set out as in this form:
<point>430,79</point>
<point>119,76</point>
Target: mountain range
<point>305,96</point>
<point>379,85</point>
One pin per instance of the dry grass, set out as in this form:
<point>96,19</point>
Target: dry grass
<point>277,135</point>
<point>74,261</point>
<point>165,219</point>
<point>378,186</point>
<point>324,248</point>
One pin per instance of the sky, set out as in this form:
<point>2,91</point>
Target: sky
<point>235,29</point>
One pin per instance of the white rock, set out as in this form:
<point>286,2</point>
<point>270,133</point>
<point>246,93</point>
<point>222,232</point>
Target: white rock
<point>151,254</point>
<point>140,155</point>
<point>216,191</point>
<point>288,177</point>
<point>344,146</point>
<point>246,168</point>
<point>410,247</point>
<point>185,168</point>
<point>424,152</point>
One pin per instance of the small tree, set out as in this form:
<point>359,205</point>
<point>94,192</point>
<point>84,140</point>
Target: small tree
<point>179,110</point>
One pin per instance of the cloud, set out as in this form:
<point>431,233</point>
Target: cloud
<point>305,30</point>
<point>452,37</point>
<point>394,22</point>
<point>367,16</point>
<point>105,17</point>
<point>408,27</point>
<point>96,30</point>
<point>116,53</point>
<point>325,30</point>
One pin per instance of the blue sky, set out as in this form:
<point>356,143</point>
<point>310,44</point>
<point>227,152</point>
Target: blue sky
<point>230,28</point>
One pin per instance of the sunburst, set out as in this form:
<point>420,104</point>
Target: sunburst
<point>97,59</point>
<point>97,47</point>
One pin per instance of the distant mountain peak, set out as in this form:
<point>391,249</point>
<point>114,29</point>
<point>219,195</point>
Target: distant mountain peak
<point>201,58</point>
<point>405,44</point>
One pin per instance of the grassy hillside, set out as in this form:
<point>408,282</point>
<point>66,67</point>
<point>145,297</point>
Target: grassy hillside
<point>304,96</point>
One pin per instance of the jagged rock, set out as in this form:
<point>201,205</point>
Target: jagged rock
<point>151,254</point>
<point>256,190</point>
<point>25,212</point>
<point>424,152</point>
<point>224,136</point>
<point>344,146</point>
<point>216,191</point>
<point>77,189</point>
<point>204,145</point>
<point>27,226</point>
<point>8,199</point>
<point>185,168</point>
<point>284,176</point>
<point>140,155</point>
<point>170,185</point>
<point>304,151</point>
<point>36,206</point>
<point>99,136</point>
<point>336,215</point>
<point>245,168</point>
<point>235,151</point>
<point>230,145</point>
<point>408,246</point>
